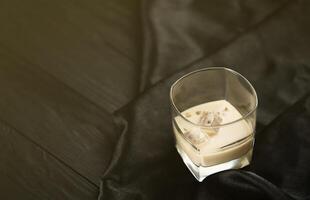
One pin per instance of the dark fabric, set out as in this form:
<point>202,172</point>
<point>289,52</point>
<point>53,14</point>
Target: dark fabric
<point>179,32</point>
<point>282,151</point>
<point>274,54</point>
<point>146,165</point>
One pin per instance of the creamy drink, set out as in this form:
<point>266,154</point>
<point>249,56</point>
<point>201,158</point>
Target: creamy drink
<point>213,116</point>
<point>206,143</point>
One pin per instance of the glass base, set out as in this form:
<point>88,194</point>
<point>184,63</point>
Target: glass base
<point>200,172</point>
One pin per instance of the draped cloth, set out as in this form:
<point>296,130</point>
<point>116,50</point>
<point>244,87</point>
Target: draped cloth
<point>266,41</point>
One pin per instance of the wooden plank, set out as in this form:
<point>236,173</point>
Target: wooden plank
<point>65,123</point>
<point>73,45</point>
<point>27,172</point>
<point>122,23</point>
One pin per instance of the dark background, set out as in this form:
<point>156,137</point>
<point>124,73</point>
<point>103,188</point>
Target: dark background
<point>67,65</point>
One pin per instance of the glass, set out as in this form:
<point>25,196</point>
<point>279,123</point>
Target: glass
<point>213,118</point>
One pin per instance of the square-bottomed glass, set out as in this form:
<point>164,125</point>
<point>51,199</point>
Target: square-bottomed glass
<point>213,118</point>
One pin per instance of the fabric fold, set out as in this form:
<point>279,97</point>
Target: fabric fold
<point>179,32</point>
<point>146,165</point>
<point>274,57</point>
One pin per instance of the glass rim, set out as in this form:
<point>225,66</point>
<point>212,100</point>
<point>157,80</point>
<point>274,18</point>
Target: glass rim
<point>207,69</point>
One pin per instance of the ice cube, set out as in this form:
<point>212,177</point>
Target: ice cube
<point>195,135</point>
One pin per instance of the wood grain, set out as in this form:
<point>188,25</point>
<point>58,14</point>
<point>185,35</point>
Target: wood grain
<point>82,50</point>
<point>65,123</point>
<point>121,23</point>
<point>28,172</point>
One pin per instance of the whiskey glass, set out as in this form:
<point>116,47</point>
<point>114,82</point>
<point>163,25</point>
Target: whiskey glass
<point>213,118</point>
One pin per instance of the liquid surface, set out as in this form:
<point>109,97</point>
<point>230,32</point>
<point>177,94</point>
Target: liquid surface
<point>206,145</point>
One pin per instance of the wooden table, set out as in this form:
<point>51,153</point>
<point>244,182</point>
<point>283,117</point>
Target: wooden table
<point>65,66</point>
